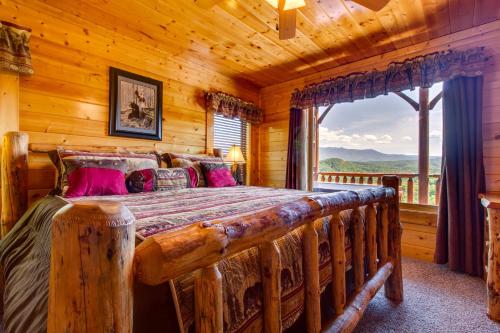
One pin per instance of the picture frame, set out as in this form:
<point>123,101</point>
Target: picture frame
<point>135,105</point>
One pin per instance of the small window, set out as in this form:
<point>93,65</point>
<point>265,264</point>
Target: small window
<point>228,132</point>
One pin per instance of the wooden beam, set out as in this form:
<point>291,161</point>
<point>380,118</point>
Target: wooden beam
<point>323,115</point>
<point>207,4</point>
<point>408,99</point>
<point>435,100</point>
<point>423,146</point>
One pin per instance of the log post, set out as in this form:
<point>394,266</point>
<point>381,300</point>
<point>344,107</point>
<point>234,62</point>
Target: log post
<point>394,284</point>
<point>337,249</point>
<point>410,190</point>
<point>208,301</point>
<point>91,268</point>
<point>14,180</point>
<point>382,233</point>
<point>311,277</point>
<point>438,190</point>
<point>271,282</point>
<point>358,262</point>
<point>423,146</point>
<point>371,239</point>
<point>492,203</point>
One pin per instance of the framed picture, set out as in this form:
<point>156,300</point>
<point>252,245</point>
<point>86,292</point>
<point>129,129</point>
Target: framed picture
<point>135,105</point>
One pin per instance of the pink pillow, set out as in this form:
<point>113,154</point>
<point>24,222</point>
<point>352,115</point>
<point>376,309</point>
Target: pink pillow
<point>193,176</point>
<point>95,181</point>
<point>217,175</point>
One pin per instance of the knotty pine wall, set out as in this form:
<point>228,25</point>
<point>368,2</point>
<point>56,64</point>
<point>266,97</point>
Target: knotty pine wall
<point>419,234</point>
<point>66,100</point>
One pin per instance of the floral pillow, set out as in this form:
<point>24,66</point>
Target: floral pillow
<point>173,179</point>
<point>217,175</point>
<point>142,181</point>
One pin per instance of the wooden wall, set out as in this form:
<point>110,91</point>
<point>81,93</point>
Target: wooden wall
<point>419,221</point>
<point>66,100</point>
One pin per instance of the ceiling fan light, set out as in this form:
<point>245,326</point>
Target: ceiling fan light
<point>289,4</point>
<point>294,4</point>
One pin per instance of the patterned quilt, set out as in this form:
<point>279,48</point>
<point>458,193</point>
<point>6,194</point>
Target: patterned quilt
<point>164,211</point>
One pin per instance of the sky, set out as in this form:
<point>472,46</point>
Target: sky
<point>385,123</point>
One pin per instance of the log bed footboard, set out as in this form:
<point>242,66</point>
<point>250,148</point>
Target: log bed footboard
<point>94,261</point>
<point>97,230</point>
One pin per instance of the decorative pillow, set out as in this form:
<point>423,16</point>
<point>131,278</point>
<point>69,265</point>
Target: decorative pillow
<point>142,181</point>
<point>175,160</point>
<point>95,177</point>
<point>193,176</point>
<point>133,162</point>
<point>173,179</point>
<point>217,175</point>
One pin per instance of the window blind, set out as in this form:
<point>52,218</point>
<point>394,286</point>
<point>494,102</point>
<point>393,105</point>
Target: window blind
<point>228,132</point>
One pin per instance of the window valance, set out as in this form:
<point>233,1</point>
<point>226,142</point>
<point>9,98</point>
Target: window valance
<point>421,71</point>
<point>14,48</point>
<point>233,107</point>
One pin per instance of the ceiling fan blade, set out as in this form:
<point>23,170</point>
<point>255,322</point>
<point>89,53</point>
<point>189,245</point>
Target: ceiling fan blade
<point>206,4</point>
<point>374,5</point>
<point>287,21</point>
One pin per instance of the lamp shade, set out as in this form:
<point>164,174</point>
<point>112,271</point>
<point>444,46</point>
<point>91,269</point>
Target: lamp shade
<point>234,155</point>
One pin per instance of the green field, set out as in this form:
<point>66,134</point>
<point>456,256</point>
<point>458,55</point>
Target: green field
<point>401,166</point>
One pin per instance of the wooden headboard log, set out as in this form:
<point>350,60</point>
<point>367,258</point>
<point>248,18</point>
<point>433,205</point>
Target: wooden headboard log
<point>14,167</point>
<point>14,179</point>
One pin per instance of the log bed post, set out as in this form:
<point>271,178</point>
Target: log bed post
<point>271,285</point>
<point>337,248</point>
<point>14,187</point>
<point>311,278</point>
<point>492,204</point>
<point>208,300</point>
<point>394,284</point>
<point>91,268</point>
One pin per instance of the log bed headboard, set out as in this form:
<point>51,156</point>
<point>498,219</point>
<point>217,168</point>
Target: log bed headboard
<point>14,171</point>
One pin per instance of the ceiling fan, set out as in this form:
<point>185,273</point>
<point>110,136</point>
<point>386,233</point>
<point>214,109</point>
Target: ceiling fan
<point>288,11</point>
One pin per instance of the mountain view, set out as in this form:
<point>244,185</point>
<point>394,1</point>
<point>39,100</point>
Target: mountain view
<point>334,159</point>
<point>370,160</point>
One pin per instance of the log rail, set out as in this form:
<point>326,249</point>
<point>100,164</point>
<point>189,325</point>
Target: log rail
<point>376,178</point>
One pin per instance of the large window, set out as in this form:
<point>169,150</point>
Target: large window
<point>381,136</point>
<point>229,132</point>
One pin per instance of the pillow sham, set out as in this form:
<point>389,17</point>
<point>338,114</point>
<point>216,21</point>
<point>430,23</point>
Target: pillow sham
<point>133,162</point>
<point>217,175</point>
<point>173,179</point>
<point>95,177</point>
<point>142,181</point>
<point>177,160</point>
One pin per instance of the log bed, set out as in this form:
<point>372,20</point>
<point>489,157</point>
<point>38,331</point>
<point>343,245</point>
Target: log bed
<point>95,262</point>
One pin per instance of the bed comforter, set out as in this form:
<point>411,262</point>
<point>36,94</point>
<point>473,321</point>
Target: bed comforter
<point>25,255</point>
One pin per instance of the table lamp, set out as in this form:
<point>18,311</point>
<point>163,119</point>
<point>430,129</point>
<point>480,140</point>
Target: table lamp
<point>235,156</point>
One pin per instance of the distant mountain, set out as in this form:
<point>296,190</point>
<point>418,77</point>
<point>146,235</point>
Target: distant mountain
<point>397,166</point>
<point>361,155</point>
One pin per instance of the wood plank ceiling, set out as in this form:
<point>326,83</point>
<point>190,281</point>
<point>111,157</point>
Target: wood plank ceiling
<point>238,38</point>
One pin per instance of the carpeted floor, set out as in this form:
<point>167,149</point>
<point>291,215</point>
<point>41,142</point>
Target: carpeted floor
<point>436,300</point>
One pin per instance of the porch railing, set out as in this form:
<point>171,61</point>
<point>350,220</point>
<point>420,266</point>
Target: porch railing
<point>408,189</point>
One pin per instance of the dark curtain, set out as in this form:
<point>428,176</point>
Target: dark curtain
<point>460,233</point>
<point>295,146</point>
